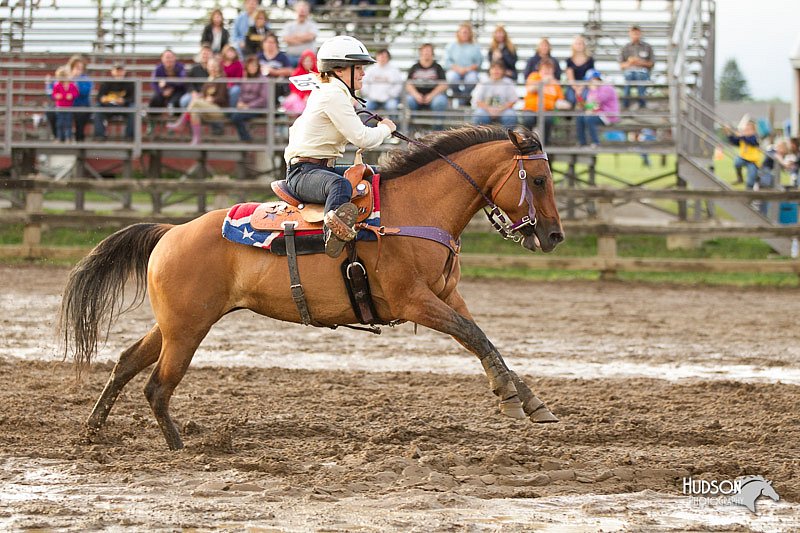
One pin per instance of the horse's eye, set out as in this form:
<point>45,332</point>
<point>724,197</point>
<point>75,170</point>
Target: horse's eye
<point>539,182</point>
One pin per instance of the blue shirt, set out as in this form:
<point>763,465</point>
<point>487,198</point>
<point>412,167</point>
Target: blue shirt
<point>463,55</point>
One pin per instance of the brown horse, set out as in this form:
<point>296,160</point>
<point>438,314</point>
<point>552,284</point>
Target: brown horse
<point>194,276</point>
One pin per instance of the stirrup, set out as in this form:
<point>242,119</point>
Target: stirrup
<point>339,228</point>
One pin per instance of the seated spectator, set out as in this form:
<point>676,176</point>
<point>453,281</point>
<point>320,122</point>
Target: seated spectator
<point>233,70</point>
<point>168,93</point>
<point>275,64</point>
<point>300,34</point>
<point>197,72</point>
<point>295,103</point>
<point>636,61</point>
<point>382,84</point>
<point>207,106</point>
<point>494,99</point>
<point>116,94</point>
<point>63,92</point>
<point>794,154</point>
<point>542,52</point>
<point>552,96</point>
<point>578,64</point>
<point>256,33</point>
<point>426,85</point>
<point>749,152</point>
<point>502,49</point>
<point>214,34</point>
<point>242,24</point>
<point>254,96</point>
<point>462,62</point>
<point>601,108</point>
<point>77,69</point>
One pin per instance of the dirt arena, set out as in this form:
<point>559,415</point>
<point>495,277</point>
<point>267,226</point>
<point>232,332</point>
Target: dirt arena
<point>290,428</point>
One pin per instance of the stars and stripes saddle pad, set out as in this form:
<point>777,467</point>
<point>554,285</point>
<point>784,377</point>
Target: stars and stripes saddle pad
<point>237,227</point>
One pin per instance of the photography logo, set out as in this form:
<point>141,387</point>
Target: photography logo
<point>741,491</point>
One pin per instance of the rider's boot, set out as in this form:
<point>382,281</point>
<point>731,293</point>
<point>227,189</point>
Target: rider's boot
<point>339,228</point>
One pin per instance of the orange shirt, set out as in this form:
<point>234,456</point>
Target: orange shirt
<point>552,92</point>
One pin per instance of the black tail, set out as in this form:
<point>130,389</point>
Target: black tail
<point>94,293</point>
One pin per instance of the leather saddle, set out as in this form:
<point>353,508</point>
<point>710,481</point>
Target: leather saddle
<point>270,216</point>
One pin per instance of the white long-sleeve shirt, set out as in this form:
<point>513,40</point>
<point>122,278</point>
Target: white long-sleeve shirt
<point>382,82</point>
<point>328,123</point>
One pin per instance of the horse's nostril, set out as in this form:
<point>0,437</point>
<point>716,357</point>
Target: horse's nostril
<point>556,236</point>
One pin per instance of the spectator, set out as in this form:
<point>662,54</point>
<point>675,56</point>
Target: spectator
<point>295,103</point>
<point>300,34</point>
<point>275,64</point>
<point>426,83</point>
<point>462,62</point>
<point>502,49</point>
<point>794,155</point>
<point>116,94</point>
<point>601,107</point>
<point>206,107</point>
<point>214,34</point>
<point>198,72</point>
<point>242,25</point>
<point>233,70</point>
<point>749,152</point>
<point>77,69</point>
<point>168,93</point>
<point>254,96</point>
<point>64,92</point>
<point>636,61</point>
<point>542,52</point>
<point>494,100</point>
<point>552,96</point>
<point>382,84</point>
<point>256,33</point>
<point>578,64</point>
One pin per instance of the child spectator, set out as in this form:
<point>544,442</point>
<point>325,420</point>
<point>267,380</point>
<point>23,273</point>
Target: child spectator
<point>636,61</point>
<point>116,94</point>
<point>462,62</point>
<point>295,103</point>
<point>300,34</point>
<point>578,64</point>
<point>601,107</point>
<point>214,34</point>
<point>542,52</point>
<point>275,64</point>
<point>494,100</point>
<point>552,96</point>
<point>233,70</point>
<point>254,96</point>
<point>426,83</point>
<point>206,107</point>
<point>64,93</point>
<point>503,50</point>
<point>382,84</point>
<point>749,152</point>
<point>256,33</point>
<point>242,25</point>
<point>77,70</point>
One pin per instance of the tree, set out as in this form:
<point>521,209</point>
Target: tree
<point>732,83</point>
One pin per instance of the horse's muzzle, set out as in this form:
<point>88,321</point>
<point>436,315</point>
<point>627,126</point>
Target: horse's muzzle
<point>545,237</point>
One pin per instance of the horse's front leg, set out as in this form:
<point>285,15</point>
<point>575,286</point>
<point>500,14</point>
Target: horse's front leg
<point>433,313</point>
<point>531,405</point>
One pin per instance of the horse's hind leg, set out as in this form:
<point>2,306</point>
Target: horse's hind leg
<point>132,361</point>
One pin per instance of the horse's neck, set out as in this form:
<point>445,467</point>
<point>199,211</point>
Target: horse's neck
<point>437,195</point>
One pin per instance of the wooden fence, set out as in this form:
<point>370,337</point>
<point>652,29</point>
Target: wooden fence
<point>223,192</point>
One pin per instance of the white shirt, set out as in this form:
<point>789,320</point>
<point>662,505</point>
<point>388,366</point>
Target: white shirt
<point>294,28</point>
<point>328,123</point>
<point>382,82</point>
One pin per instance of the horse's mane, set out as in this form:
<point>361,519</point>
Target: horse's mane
<point>402,161</point>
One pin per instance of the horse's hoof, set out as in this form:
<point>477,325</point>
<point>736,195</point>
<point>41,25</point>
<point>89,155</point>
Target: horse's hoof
<point>543,416</point>
<point>512,408</point>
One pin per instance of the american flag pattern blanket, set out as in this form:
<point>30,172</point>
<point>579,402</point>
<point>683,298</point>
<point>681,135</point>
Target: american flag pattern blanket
<point>236,227</point>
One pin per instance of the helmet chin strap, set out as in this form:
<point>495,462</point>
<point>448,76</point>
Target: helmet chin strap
<point>352,84</point>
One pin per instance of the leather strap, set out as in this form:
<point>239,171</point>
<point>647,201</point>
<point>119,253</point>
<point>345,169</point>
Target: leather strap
<point>355,278</point>
<point>314,160</point>
<point>298,294</point>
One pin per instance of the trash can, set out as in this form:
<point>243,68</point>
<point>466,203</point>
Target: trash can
<point>787,213</point>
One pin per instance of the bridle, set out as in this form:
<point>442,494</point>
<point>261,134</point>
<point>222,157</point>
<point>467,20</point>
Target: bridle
<point>500,222</point>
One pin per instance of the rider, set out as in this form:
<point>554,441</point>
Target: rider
<point>322,132</point>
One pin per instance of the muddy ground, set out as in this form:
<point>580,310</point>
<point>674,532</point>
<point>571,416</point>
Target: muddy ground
<point>328,445</point>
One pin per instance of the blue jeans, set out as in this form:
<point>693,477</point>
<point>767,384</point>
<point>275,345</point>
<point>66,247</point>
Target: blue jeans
<point>319,184</point>
<point>635,75</point>
<point>439,103</point>
<point>101,117</point>
<point>752,170</point>
<point>63,124</point>
<point>233,95</point>
<point>389,105</point>
<point>591,123</point>
<point>240,121</point>
<point>507,118</point>
<point>462,85</point>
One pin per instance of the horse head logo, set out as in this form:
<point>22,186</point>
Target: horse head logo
<point>752,488</point>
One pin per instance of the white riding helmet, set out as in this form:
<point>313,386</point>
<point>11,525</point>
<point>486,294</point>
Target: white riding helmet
<point>341,52</point>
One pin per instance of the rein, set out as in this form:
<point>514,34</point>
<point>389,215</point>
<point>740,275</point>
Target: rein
<point>497,218</point>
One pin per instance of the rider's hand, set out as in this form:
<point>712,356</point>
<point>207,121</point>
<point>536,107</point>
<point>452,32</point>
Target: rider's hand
<point>392,126</point>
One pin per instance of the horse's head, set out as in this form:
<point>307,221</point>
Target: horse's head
<point>529,192</point>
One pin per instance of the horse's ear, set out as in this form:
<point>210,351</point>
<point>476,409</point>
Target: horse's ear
<point>517,139</point>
